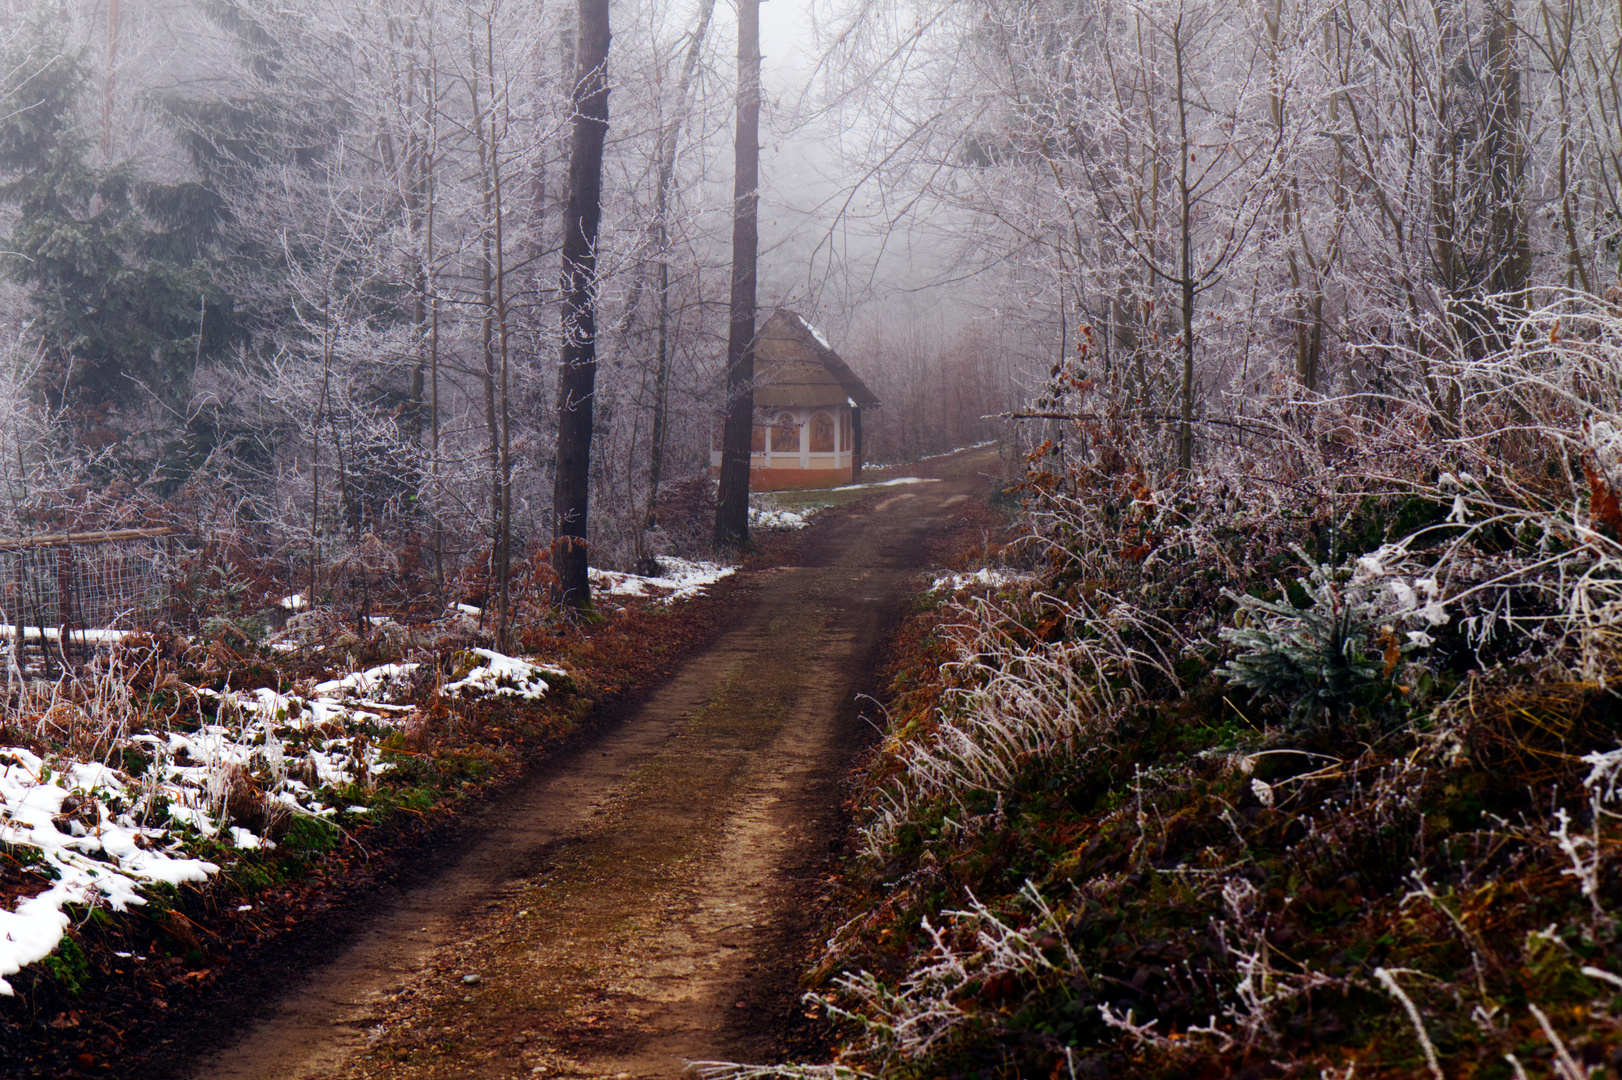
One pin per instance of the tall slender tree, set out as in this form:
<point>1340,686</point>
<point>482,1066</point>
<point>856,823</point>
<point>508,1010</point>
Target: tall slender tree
<point>732,509</point>
<point>578,365</point>
<point>661,211</point>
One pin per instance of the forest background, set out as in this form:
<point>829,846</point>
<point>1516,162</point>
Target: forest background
<point>1294,746</point>
<point>298,266</point>
<point>295,272</point>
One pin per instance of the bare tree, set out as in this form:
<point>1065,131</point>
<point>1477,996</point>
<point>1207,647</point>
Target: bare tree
<point>668,143</point>
<point>732,509</point>
<point>578,366</point>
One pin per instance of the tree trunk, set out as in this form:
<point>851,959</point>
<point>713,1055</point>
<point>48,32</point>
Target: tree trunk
<point>1185,238</point>
<point>856,446</point>
<point>732,509</point>
<point>578,365</point>
<point>502,551</point>
<point>489,368</point>
<point>667,177</point>
<point>431,282</point>
<point>1506,162</point>
<point>109,91</point>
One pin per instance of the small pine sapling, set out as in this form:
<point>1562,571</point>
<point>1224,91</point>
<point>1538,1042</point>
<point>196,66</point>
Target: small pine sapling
<point>1320,658</point>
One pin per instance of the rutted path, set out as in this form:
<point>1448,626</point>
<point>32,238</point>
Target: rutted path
<point>645,899</point>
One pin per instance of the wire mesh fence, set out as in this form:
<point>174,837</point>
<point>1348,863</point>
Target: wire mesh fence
<point>82,588</point>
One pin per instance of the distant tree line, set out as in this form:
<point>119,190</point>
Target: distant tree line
<point>301,264</point>
<point>1191,207</point>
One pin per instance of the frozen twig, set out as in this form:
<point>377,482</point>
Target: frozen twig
<point>1388,980</point>
<point>1562,1057</point>
<point>728,1070</point>
<point>1584,867</point>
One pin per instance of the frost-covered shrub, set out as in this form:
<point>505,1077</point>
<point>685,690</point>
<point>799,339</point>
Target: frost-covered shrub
<point>1301,896</point>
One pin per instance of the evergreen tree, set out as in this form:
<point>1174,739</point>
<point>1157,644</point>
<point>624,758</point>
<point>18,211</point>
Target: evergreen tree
<point>117,267</point>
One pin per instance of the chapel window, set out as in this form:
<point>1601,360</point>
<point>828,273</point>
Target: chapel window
<point>822,433</point>
<point>786,435</point>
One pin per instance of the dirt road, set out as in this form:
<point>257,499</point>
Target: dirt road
<point>647,899</point>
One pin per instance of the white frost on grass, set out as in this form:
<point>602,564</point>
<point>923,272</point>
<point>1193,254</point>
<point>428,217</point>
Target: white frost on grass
<point>996,578</point>
<point>500,675</point>
<point>102,857</point>
<point>890,483</point>
<point>681,580</point>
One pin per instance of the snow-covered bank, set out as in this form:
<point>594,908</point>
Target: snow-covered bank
<point>168,804</point>
<point>995,577</point>
<point>771,517</point>
<point>79,825</point>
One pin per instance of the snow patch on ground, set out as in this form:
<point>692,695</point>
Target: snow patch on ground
<point>358,697</point>
<point>774,518</point>
<point>681,580</point>
<point>959,450</point>
<point>377,682</point>
<point>996,578</point>
<point>504,676</point>
<point>54,633</point>
<point>890,483</point>
<point>97,854</point>
<point>99,835</point>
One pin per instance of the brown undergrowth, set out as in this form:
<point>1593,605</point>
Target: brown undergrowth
<point>1173,892</point>
<point>1303,762</point>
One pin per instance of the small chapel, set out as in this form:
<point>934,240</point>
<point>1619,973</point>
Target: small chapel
<point>808,410</point>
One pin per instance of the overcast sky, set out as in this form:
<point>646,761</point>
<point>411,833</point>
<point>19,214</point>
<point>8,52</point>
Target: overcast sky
<point>785,38</point>
<point>803,182</point>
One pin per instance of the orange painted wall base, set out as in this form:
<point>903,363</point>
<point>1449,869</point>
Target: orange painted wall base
<point>794,479</point>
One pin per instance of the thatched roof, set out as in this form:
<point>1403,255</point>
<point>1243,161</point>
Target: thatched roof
<point>796,367</point>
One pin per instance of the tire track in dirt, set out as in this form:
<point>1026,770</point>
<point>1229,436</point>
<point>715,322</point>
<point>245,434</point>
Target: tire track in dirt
<point>642,901</point>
